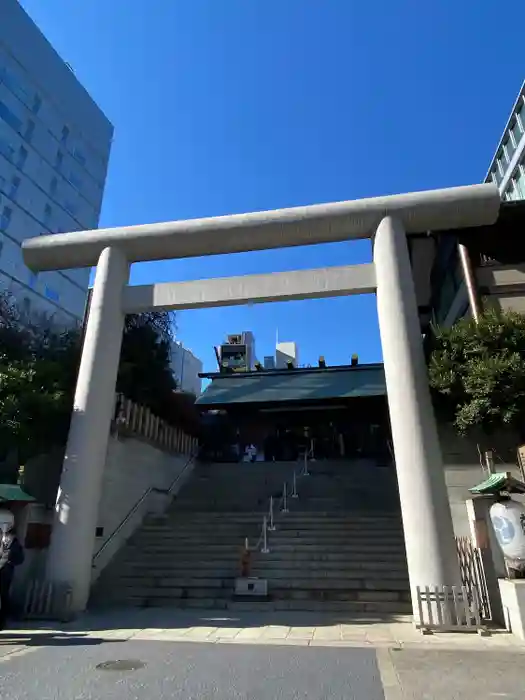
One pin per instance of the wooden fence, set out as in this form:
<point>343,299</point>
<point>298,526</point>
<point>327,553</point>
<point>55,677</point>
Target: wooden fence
<point>473,574</point>
<point>139,421</point>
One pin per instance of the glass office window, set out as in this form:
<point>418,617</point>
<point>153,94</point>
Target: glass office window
<point>509,148</point>
<point>521,114</point>
<point>516,132</point>
<point>47,215</point>
<point>22,157</point>
<point>29,131</point>
<point>70,207</point>
<point>15,184</point>
<point>52,294</point>
<point>37,103</point>
<point>519,179</point>
<point>502,162</point>
<point>77,153</point>
<point>59,160</point>
<point>10,117</point>
<point>5,218</point>
<point>6,149</point>
<point>75,181</point>
<point>14,85</point>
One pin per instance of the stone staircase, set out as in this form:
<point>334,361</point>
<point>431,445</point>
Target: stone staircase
<point>340,548</point>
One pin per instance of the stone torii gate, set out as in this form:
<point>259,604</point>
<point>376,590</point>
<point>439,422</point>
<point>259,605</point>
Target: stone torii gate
<point>427,522</point>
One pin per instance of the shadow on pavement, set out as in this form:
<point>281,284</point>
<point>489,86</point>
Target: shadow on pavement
<point>54,639</point>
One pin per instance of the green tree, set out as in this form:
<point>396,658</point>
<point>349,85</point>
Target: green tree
<point>39,366</point>
<point>477,373</point>
<point>145,374</point>
<point>37,377</point>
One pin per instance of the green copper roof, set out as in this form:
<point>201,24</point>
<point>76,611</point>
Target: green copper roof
<point>13,492</point>
<point>294,385</point>
<point>500,481</point>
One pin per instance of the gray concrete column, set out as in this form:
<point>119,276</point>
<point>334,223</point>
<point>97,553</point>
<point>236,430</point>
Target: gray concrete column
<point>427,519</point>
<point>75,521</point>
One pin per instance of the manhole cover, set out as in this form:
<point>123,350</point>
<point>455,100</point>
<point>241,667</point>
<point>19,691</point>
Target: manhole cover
<point>122,665</point>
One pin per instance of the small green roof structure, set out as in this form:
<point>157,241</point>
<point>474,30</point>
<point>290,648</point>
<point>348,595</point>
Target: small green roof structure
<point>13,492</point>
<point>500,481</point>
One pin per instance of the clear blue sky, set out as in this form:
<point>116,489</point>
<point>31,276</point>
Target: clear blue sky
<point>226,106</point>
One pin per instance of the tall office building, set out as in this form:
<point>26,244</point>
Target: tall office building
<point>54,151</point>
<point>186,368</point>
<point>507,169</point>
<point>497,276</point>
<point>286,352</point>
<point>237,354</point>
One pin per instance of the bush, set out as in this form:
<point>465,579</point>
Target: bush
<point>477,373</point>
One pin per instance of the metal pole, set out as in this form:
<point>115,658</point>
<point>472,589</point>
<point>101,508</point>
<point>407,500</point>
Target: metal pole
<point>470,282</point>
<point>272,525</point>
<point>265,549</point>
<point>285,499</point>
<point>294,492</point>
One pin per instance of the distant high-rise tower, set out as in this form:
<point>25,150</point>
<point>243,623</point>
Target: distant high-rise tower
<point>286,352</point>
<point>186,368</point>
<point>238,352</point>
<point>54,151</point>
<point>269,362</point>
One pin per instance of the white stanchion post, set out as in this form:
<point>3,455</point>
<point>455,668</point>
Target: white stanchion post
<point>265,549</point>
<point>294,492</point>
<point>285,499</point>
<point>272,524</point>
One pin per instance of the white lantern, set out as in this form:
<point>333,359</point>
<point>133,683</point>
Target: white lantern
<point>7,520</point>
<point>508,521</point>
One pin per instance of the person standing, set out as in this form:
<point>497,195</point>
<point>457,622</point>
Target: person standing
<point>11,556</point>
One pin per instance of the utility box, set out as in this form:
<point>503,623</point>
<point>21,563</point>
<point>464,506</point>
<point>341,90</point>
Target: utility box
<point>251,587</point>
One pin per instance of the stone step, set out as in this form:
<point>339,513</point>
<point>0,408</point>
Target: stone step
<point>149,580</point>
<point>294,528</point>
<point>155,590</point>
<point>208,550</point>
<point>364,567</point>
<point>277,535</point>
<point>357,515</point>
<point>352,608</point>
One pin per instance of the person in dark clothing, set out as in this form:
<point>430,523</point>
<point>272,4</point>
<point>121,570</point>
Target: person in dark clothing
<point>11,556</point>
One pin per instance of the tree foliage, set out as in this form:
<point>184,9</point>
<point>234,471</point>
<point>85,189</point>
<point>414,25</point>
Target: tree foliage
<point>145,374</point>
<point>477,373</point>
<point>39,366</point>
<point>38,369</point>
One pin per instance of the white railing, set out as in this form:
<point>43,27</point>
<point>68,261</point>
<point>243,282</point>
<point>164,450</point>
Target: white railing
<point>268,521</point>
<point>448,609</point>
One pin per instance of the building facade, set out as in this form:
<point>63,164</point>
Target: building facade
<point>496,272</point>
<point>54,151</point>
<point>285,352</point>
<point>237,354</point>
<point>186,369</point>
<point>507,168</point>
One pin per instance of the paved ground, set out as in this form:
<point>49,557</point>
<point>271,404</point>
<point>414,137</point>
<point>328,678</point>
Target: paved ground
<point>284,628</point>
<point>193,672</point>
<point>254,656</point>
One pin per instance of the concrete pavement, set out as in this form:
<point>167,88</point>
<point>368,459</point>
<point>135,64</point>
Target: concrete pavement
<point>256,655</point>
